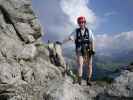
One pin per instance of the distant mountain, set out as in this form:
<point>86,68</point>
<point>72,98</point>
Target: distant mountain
<point>110,60</point>
<point>121,56</point>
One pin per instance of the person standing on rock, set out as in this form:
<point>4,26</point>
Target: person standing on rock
<point>84,47</point>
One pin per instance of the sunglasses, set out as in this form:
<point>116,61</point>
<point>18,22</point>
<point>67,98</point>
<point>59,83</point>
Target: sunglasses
<point>81,22</point>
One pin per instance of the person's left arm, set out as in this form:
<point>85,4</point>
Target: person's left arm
<point>92,44</point>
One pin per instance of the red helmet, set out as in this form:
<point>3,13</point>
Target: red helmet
<point>81,19</point>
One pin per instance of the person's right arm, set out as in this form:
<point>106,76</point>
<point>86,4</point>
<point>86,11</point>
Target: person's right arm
<point>71,37</point>
<point>66,40</point>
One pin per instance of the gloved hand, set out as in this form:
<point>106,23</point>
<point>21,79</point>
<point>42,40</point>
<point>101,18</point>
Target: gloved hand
<point>92,52</point>
<point>58,42</point>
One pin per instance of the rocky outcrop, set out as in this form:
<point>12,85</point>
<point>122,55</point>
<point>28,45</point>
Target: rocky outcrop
<point>120,89</point>
<point>56,55</point>
<point>128,67</point>
<point>31,70</point>
<point>19,18</point>
<point>24,60</point>
<point>65,90</point>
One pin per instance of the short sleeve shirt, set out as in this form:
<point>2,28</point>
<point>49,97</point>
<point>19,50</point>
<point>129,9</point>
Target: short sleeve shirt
<point>72,36</point>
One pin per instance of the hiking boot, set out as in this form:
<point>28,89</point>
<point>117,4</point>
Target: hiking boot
<point>88,82</point>
<point>80,80</point>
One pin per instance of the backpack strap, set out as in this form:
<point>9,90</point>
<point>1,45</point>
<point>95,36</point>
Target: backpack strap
<point>78,34</point>
<point>87,33</point>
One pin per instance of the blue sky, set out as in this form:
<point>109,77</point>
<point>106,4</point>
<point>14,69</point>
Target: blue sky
<point>111,21</point>
<point>117,15</point>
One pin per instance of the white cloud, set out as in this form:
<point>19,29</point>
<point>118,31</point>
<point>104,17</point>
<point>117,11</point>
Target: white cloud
<point>59,16</point>
<point>102,41</point>
<point>75,8</point>
<point>118,42</point>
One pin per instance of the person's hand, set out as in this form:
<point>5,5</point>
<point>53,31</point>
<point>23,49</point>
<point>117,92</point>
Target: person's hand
<point>92,52</point>
<point>58,42</point>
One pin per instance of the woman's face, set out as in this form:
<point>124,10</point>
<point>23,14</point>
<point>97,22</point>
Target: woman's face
<point>82,24</point>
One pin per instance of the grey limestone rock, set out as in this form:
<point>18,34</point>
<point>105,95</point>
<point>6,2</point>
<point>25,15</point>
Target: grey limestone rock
<point>32,70</point>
